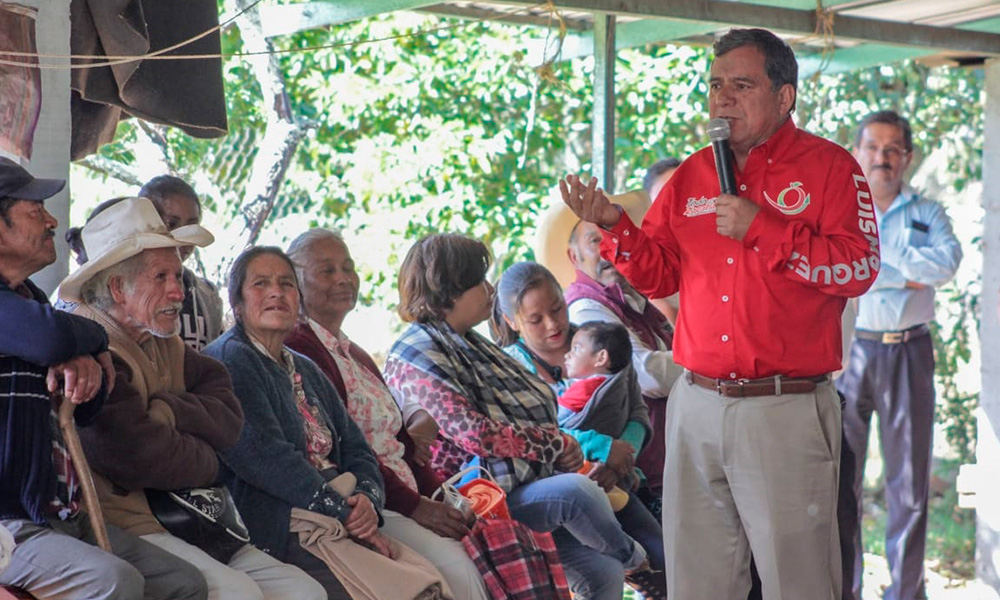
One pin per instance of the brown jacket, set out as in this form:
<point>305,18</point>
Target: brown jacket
<point>171,410</point>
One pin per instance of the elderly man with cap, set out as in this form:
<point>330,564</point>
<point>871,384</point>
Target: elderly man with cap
<point>44,351</point>
<point>172,408</point>
<point>596,291</point>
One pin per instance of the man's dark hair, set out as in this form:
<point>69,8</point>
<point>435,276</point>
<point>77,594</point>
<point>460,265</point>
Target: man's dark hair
<point>436,271</point>
<point>612,337</point>
<point>7,203</point>
<point>241,266</point>
<point>779,60</point>
<point>158,188</point>
<point>659,168</point>
<point>889,117</point>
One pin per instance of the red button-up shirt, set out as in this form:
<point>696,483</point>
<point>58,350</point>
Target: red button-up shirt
<point>770,304</point>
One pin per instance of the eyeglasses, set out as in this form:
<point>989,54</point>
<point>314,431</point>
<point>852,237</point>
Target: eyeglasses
<point>891,151</point>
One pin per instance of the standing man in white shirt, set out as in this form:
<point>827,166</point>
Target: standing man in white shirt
<point>891,366</point>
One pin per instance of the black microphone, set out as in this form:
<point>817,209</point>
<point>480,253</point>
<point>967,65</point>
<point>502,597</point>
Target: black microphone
<point>718,132</point>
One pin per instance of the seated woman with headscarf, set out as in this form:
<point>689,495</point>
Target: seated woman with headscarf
<point>329,285</point>
<point>301,466</point>
<point>487,406</point>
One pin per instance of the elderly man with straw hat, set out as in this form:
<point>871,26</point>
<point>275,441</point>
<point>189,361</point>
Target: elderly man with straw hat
<point>172,409</point>
<point>596,291</point>
<point>43,351</point>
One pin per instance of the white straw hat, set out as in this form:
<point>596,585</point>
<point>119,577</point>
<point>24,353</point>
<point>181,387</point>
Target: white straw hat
<point>556,223</point>
<point>122,231</point>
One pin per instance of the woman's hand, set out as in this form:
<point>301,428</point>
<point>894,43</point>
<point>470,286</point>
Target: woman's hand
<point>422,454</point>
<point>423,429</point>
<point>571,458</point>
<point>440,518</point>
<point>604,475</point>
<point>383,545</point>
<point>621,457</point>
<point>362,523</point>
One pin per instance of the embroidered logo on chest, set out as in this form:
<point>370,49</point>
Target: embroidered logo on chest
<point>699,206</point>
<point>792,200</point>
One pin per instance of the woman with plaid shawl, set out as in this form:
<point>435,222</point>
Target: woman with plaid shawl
<point>486,405</point>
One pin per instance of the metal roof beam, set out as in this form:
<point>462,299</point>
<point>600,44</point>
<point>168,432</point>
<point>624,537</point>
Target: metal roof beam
<point>858,57</point>
<point>724,12</point>
<point>480,14</point>
<point>287,19</point>
<point>635,33</point>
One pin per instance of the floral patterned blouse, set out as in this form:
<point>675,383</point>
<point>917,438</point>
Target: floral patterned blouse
<point>369,403</point>
<point>466,432</point>
<point>319,438</point>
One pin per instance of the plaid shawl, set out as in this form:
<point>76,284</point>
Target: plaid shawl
<point>494,383</point>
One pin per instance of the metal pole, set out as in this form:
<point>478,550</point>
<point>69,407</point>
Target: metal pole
<point>604,101</point>
<point>987,493</point>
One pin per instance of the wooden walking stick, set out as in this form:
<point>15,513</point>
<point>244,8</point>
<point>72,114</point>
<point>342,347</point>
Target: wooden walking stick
<point>90,502</point>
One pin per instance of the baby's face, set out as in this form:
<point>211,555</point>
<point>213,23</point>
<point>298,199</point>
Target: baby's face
<point>581,359</point>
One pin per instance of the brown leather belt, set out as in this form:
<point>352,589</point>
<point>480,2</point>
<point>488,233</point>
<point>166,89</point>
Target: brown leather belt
<point>745,388</point>
<point>893,337</point>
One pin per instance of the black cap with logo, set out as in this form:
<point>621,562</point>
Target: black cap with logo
<point>16,182</point>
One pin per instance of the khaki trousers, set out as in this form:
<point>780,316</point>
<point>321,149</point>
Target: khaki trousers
<point>751,475</point>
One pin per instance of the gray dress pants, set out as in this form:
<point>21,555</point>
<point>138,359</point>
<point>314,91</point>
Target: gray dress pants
<point>897,382</point>
<point>62,562</point>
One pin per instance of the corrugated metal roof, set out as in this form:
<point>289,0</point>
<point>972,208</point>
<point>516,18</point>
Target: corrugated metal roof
<point>940,31</point>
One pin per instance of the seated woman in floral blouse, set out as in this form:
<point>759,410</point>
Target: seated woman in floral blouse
<point>329,286</point>
<point>486,405</point>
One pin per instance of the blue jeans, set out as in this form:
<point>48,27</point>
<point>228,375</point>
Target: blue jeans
<point>594,550</point>
<point>638,522</point>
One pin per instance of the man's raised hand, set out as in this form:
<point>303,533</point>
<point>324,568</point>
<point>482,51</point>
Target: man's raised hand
<point>588,201</point>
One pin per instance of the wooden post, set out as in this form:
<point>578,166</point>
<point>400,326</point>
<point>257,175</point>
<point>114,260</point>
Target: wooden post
<point>604,101</point>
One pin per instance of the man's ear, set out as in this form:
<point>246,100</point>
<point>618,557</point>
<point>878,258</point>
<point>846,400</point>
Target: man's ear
<point>117,289</point>
<point>786,97</point>
<point>602,359</point>
<point>511,324</point>
<point>571,253</point>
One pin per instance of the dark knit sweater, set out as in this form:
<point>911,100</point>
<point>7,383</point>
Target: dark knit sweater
<point>33,337</point>
<point>268,471</point>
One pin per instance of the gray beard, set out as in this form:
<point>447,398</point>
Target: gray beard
<point>170,334</point>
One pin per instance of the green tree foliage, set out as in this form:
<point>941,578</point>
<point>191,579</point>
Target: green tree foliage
<point>945,109</point>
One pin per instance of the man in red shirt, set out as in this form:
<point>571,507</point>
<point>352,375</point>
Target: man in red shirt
<point>753,428</point>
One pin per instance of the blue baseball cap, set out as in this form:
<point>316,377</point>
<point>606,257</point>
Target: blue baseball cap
<point>16,182</point>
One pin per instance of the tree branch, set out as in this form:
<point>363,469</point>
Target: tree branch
<point>110,168</point>
<point>282,132</point>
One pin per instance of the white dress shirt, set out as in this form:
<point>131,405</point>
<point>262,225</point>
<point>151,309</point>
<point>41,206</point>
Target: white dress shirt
<point>917,244</point>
